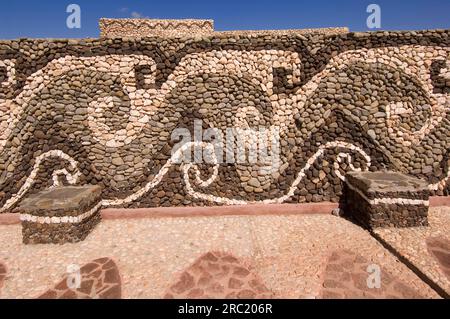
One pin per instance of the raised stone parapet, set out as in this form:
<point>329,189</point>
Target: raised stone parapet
<point>386,199</point>
<point>60,215</point>
<point>140,28</point>
<point>154,27</point>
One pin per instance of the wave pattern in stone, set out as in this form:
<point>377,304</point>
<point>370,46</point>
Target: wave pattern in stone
<point>382,96</point>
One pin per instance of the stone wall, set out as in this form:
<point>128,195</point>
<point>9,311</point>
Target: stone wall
<point>153,27</point>
<point>139,28</point>
<point>103,112</point>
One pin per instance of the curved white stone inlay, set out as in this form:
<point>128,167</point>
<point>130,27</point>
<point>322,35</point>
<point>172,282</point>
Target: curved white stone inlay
<point>71,178</point>
<point>292,188</point>
<point>177,158</point>
<point>441,184</point>
<point>57,67</point>
<point>10,65</point>
<point>244,63</point>
<point>5,104</point>
<point>394,57</point>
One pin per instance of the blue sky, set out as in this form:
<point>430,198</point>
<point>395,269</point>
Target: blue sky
<point>47,18</point>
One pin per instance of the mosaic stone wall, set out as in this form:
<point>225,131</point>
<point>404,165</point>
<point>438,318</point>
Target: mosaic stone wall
<point>102,112</point>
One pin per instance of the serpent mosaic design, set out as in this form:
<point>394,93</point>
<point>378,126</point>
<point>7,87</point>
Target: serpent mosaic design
<point>102,112</point>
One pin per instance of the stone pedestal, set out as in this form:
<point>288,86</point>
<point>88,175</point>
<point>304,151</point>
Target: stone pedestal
<point>386,199</point>
<point>60,215</point>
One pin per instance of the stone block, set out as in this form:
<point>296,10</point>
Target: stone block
<point>60,215</point>
<point>386,199</point>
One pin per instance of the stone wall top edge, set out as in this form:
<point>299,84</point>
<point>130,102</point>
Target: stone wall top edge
<point>154,20</point>
<point>234,33</point>
<point>243,34</point>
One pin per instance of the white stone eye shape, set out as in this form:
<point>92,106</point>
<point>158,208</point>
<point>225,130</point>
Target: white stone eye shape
<point>406,121</point>
<point>105,134</point>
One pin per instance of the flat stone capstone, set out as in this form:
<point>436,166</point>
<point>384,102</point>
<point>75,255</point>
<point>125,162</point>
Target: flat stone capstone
<point>386,199</point>
<point>60,215</point>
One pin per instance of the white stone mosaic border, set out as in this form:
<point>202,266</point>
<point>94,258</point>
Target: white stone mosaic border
<point>61,220</point>
<point>292,188</point>
<point>175,158</point>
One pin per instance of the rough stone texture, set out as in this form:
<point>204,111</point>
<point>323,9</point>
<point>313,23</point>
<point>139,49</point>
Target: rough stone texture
<point>103,111</point>
<point>419,244</point>
<point>153,27</point>
<point>386,184</point>
<point>100,279</point>
<point>218,275</point>
<point>151,253</point>
<point>34,233</point>
<point>59,201</point>
<point>60,215</point>
<point>138,28</point>
<point>346,277</point>
<point>439,247</point>
<point>386,199</point>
